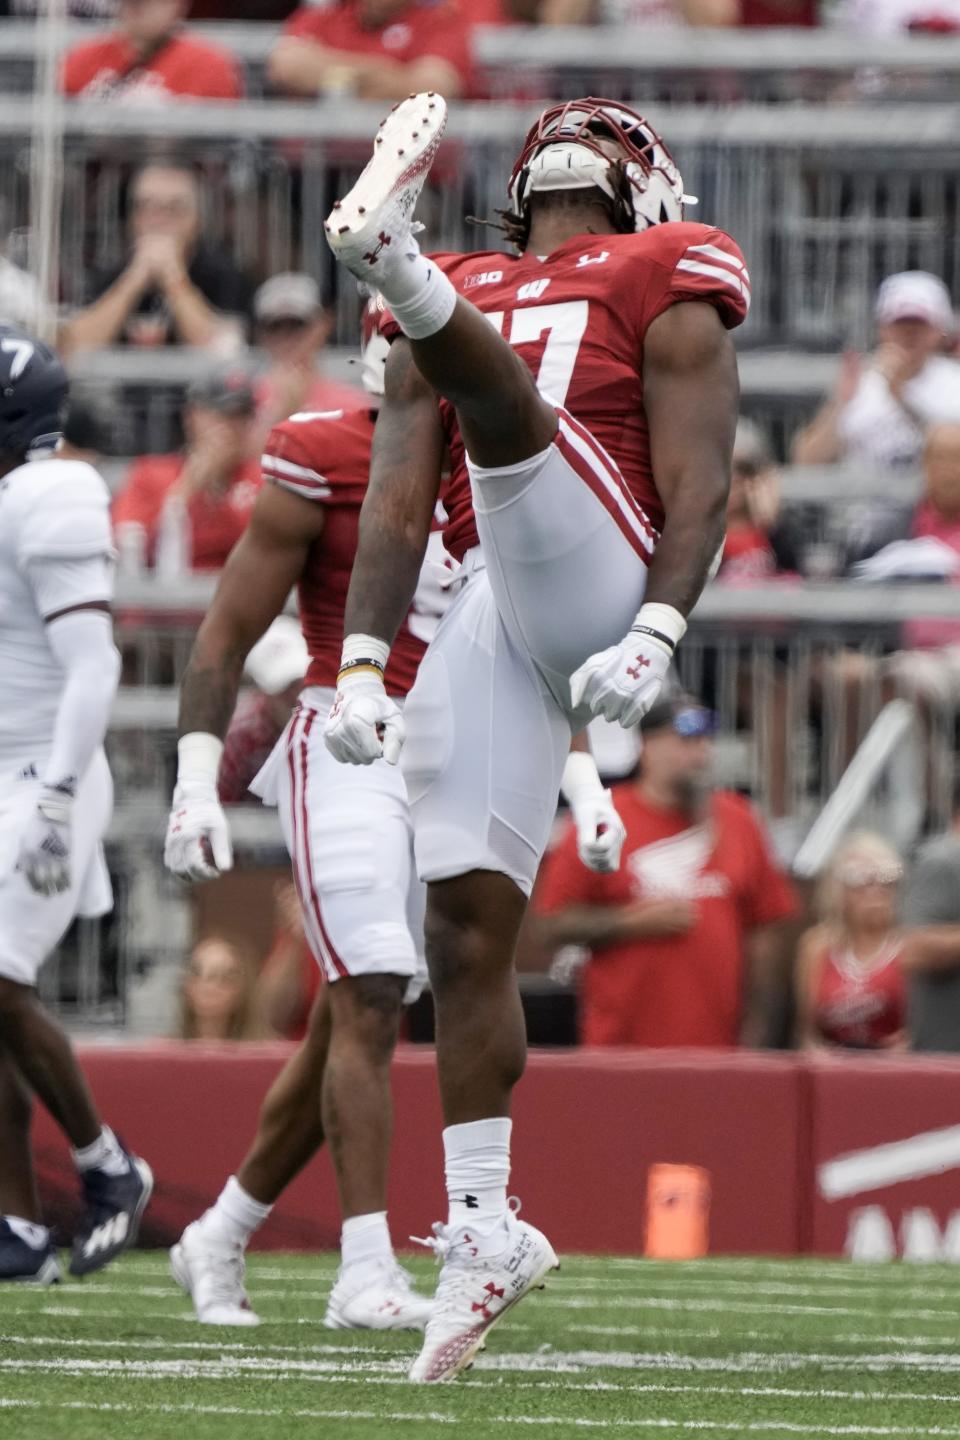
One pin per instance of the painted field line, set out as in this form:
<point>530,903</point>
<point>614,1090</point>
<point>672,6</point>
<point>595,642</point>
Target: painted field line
<point>757,1287</point>
<point>760,1427</point>
<point>736,1333</point>
<point>233,1346</point>
<point>369,1375</point>
<point>743,1307</point>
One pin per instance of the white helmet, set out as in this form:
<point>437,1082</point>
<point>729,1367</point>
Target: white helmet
<point>564,151</point>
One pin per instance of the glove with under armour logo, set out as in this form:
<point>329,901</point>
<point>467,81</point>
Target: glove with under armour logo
<point>198,844</point>
<point>364,724</point>
<point>600,831</point>
<point>44,857</point>
<point>623,682</point>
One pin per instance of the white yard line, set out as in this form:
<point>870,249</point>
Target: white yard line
<point>920,1292</point>
<point>744,1307</point>
<point>759,1427</point>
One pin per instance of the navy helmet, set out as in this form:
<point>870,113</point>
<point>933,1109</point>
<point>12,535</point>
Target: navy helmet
<point>33,393</point>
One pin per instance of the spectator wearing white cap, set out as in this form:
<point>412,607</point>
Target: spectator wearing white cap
<point>292,327</point>
<point>882,405</point>
<point>276,665</point>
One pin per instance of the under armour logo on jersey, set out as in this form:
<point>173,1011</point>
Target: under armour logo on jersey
<point>371,255</point>
<point>594,259</point>
<point>111,1232</point>
<point>634,670</point>
<point>532,290</point>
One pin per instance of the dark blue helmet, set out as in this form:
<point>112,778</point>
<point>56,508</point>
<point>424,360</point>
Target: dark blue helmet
<point>33,393</point>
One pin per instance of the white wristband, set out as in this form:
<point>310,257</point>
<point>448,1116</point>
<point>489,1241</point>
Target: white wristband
<point>364,647</point>
<point>581,779</point>
<point>198,757</point>
<point>664,620</point>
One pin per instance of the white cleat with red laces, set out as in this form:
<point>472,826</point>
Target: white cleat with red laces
<point>372,226</point>
<point>475,1292</point>
<point>376,1297</point>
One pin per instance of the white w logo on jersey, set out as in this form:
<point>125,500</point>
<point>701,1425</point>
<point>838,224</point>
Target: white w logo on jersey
<point>111,1232</point>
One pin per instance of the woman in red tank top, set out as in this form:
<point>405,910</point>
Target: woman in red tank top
<point>850,986</point>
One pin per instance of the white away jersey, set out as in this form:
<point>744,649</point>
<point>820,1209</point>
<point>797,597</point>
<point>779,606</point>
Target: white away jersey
<point>56,552</point>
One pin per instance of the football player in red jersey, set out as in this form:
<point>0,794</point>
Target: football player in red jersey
<point>351,851</point>
<point>589,392</point>
<point>349,836</point>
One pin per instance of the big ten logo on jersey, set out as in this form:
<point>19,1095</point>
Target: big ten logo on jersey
<point>486,277</point>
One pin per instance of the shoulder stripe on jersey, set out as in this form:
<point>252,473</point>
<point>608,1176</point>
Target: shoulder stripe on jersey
<point>290,471</point>
<point>715,273</point>
<point>301,487</point>
<point>715,253</point>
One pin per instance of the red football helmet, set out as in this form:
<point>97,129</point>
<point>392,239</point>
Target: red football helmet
<point>564,150</point>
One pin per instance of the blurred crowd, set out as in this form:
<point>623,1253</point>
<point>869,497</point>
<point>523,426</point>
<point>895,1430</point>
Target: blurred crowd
<point>701,939</point>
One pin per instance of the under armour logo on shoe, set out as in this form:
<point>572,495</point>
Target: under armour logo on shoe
<point>371,255</point>
<point>482,1307</point>
<point>471,1202</point>
<point>634,670</point>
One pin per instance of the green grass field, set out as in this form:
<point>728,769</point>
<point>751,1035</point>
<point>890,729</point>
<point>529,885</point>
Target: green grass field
<point>731,1347</point>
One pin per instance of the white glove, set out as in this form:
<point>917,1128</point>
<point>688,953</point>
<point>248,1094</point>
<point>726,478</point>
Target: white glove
<point>364,724</point>
<point>198,843</point>
<point>44,856</point>
<point>622,683</point>
<point>600,831</point>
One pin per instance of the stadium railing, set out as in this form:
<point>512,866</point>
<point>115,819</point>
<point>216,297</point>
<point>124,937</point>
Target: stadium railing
<point>772,660</point>
<point>778,64</point>
<point>825,199</point>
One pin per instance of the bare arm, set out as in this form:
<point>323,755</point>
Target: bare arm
<point>806,979</point>
<point>820,442</point>
<point>595,926</point>
<point>196,320</point>
<point>398,507</point>
<point>263,568</point>
<point>99,324</point>
<point>691,394</point>
<point>932,949</point>
<point>763,985</point>
<point>303,67</point>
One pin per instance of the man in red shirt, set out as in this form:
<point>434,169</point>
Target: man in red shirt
<point>683,939</point>
<point>377,49</point>
<point>190,509</point>
<point>149,58</point>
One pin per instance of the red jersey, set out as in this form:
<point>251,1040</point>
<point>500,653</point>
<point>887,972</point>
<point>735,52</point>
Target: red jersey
<point>578,318</point>
<point>215,522</point>
<point>416,32</point>
<point>860,1006</point>
<point>680,989</point>
<point>325,457</point>
<point>112,69</point>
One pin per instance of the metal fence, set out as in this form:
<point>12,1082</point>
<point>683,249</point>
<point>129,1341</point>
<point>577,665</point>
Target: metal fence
<point>797,674</point>
<point>825,199</point>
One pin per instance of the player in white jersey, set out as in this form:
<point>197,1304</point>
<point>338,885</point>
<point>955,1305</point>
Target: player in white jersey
<point>58,674</point>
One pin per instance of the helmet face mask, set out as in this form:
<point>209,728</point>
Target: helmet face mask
<point>596,143</point>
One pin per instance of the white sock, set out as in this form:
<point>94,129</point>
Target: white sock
<point>419,294</point>
<point>478,1169</point>
<point>365,1240</point>
<point>103,1154</point>
<point>236,1214</point>
<point>36,1236</point>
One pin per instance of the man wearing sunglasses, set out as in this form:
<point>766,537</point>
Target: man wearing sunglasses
<point>684,939</point>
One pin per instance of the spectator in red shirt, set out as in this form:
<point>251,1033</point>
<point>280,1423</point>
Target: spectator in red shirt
<point>276,665</point>
<point>376,49</point>
<point>189,510</point>
<point>149,59</point>
<point>684,939</point>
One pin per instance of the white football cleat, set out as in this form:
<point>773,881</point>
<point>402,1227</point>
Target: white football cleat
<point>475,1292</point>
<point>373,224</point>
<point>211,1271</point>
<point>376,1297</point>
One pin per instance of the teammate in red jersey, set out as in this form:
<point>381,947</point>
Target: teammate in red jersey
<point>597,416</point>
<point>348,833</point>
<point>349,836</point>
